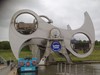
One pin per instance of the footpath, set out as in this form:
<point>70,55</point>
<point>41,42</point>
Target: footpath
<point>13,72</point>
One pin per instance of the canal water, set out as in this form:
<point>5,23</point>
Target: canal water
<point>80,69</point>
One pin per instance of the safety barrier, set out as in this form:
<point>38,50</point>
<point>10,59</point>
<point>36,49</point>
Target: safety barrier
<point>2,60</point>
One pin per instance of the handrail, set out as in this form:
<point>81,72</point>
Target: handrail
<point>2,60</point>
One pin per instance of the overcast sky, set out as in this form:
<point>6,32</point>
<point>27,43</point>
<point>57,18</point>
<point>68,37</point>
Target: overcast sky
<point>62,12</point>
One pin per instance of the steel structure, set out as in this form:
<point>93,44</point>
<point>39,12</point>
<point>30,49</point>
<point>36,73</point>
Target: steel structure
<point>45,31</point>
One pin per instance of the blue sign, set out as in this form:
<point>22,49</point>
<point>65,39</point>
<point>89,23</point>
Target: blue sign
<point>56,46</point>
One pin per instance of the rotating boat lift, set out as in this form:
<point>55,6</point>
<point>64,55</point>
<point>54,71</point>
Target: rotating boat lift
<point>57,40</point>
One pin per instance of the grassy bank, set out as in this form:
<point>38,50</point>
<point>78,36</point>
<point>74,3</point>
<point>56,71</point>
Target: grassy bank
<point>7,54</point>
<point>95,56</point>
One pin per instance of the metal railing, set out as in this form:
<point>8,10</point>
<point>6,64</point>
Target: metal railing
<point>2,60</point>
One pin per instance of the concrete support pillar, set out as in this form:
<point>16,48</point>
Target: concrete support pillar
<point>35,51</point>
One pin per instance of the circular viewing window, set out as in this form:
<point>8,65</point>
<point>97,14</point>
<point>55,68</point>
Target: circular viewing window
<point>80,43</point>
<point>25,24</point>
<point>55,33</point>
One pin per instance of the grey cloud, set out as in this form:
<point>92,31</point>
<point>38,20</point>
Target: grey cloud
<point>4,33</point>
<point>62,12</point>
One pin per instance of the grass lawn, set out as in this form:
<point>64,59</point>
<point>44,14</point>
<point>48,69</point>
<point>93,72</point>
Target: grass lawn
<point>95,56</point>
<point>7,54</point>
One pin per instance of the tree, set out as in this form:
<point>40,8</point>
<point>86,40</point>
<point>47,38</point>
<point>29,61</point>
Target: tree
<point>5,45</point>
<point>97,42</point>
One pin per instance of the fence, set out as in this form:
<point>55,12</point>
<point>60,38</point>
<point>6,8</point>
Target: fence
<point>2,61</point>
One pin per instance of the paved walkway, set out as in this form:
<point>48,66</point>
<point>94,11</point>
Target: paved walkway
<point>2,66</point>
<point>4,70</point>
<point>13,72</point>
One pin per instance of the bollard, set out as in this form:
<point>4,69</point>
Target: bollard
<point>14,73</point>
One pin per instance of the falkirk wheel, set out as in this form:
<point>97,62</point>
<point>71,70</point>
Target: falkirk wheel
<point>57,40</point>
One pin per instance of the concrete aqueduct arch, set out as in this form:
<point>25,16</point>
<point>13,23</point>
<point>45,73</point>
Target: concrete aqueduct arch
<point>18,40</point>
